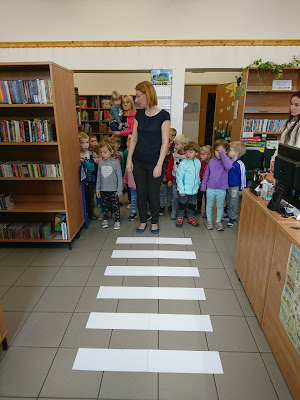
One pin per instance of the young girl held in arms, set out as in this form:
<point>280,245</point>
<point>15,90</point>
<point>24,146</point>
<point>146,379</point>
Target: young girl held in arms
<point>109,183</point>
<point>215,182</point>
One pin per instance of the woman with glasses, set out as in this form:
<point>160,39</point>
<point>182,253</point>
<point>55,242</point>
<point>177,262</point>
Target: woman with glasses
<point>147,152</point>
<point>291,133</point>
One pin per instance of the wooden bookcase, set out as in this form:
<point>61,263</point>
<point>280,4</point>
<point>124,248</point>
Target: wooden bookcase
<point>259,101</point>
<point>39,199</point>
<point>93,114</point>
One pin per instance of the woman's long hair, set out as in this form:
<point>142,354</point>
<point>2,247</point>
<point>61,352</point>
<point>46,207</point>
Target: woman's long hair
<point>294,125</point>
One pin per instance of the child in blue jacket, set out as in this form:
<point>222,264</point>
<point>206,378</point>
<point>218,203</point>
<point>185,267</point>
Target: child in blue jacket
<point>236,181</point>
<point>188,181</point>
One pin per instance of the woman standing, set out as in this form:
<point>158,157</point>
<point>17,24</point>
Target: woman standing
<point>147,152</point>
<point>127,120</point>
<point>291,133</point>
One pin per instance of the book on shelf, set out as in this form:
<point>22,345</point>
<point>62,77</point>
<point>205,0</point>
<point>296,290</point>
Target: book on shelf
<point>20,131</point>
<point>25,230</point>
<point>6,201</point>
<point>264,125</point>
<point>82,102</point>
<point>78,118</point>
<point>76,97</point>
<point>272,144</point>
<point>89,115</point>
<point>35,91</point>
<point>105,103</point>
<point>86,128</point>
<point>60,224</point>
<point>29,169</point>
<point>106,115</point>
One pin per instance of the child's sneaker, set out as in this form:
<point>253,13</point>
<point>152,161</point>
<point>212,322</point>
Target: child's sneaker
<point>219,226</point>
<point>209,225</point>
<point>92,217</point>
<point>226,218</point>
<point>132,217</point>
<point>161,210</point>
<point>204,215</point>
<point>193,222</point>
<point>117,225</point>
<point>105,223</point>
<point>129,206</point>
<point>231,223</point>
<point>179,222</point>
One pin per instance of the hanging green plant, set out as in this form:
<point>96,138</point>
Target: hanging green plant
<point>265,68</point>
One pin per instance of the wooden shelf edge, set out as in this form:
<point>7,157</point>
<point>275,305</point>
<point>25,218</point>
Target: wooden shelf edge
<point>26,105</point>
<point>28,143</point>
<point>30,179</point>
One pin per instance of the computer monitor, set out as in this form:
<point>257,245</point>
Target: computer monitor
<point>287,175</point>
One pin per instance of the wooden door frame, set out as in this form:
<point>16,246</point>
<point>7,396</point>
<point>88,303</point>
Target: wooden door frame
<point>205,89</point>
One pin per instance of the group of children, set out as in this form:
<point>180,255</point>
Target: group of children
<point>219,174</point>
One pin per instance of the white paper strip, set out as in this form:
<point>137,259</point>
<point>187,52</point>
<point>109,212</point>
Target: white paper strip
<point>162,361</point>
<point>151,271</point>
<point>190,255</point>
<point>152,322</point>
<point>154,240</point>
<point>184,362</point>
<point>111,360</point>
<point>158,293</point>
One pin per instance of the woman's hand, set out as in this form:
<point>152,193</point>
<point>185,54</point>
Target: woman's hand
<point>129,166</point>
<point>157,171</point>
<point>169,183</point>
<point>98,195</point>
<point>182,195</point>
<point>118,133</point>
<point>272,167</point>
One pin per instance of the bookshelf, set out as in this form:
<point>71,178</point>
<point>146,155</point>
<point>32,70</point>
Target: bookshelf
<point>257,101</point>
<point>94,114</point>
<point>38,200</point>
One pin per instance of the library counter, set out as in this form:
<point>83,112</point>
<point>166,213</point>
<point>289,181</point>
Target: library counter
<point>264,243</point>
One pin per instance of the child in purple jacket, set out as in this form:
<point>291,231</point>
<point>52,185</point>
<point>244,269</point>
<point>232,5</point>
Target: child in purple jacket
<point>215,182</point>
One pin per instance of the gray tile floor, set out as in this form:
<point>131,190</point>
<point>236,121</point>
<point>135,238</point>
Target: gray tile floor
<point>47,295</point>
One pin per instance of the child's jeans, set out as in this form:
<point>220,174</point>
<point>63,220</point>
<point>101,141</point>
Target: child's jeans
<point>89,197</point>
<point>187,202</point>
<point>111,202</point>
<point>165,190</point>
<point>211,195</point>
<point>133,200</point>
<point>175,197</point>
<point>232,202</point>
<point>200,199</point>
<point>114,126</point>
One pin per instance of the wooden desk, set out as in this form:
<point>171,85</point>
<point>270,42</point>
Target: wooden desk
<point>264,242</point>
<point>3,329</point>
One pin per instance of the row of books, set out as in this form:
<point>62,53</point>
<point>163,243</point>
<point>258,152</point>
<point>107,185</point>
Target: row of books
<point>25,230</point>
<point>35,91</point>
<point>264,125</point>
<point>60,224</point>
<point>87,128</point>
<point>88,102</point>
<point>105,115</point>
<point>6,201</point>
<point>29,169</point>
<point>89,115</point>
<point>26,131</point>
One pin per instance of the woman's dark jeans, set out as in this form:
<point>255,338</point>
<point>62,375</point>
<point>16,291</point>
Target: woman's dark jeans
<point>147,189</point>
